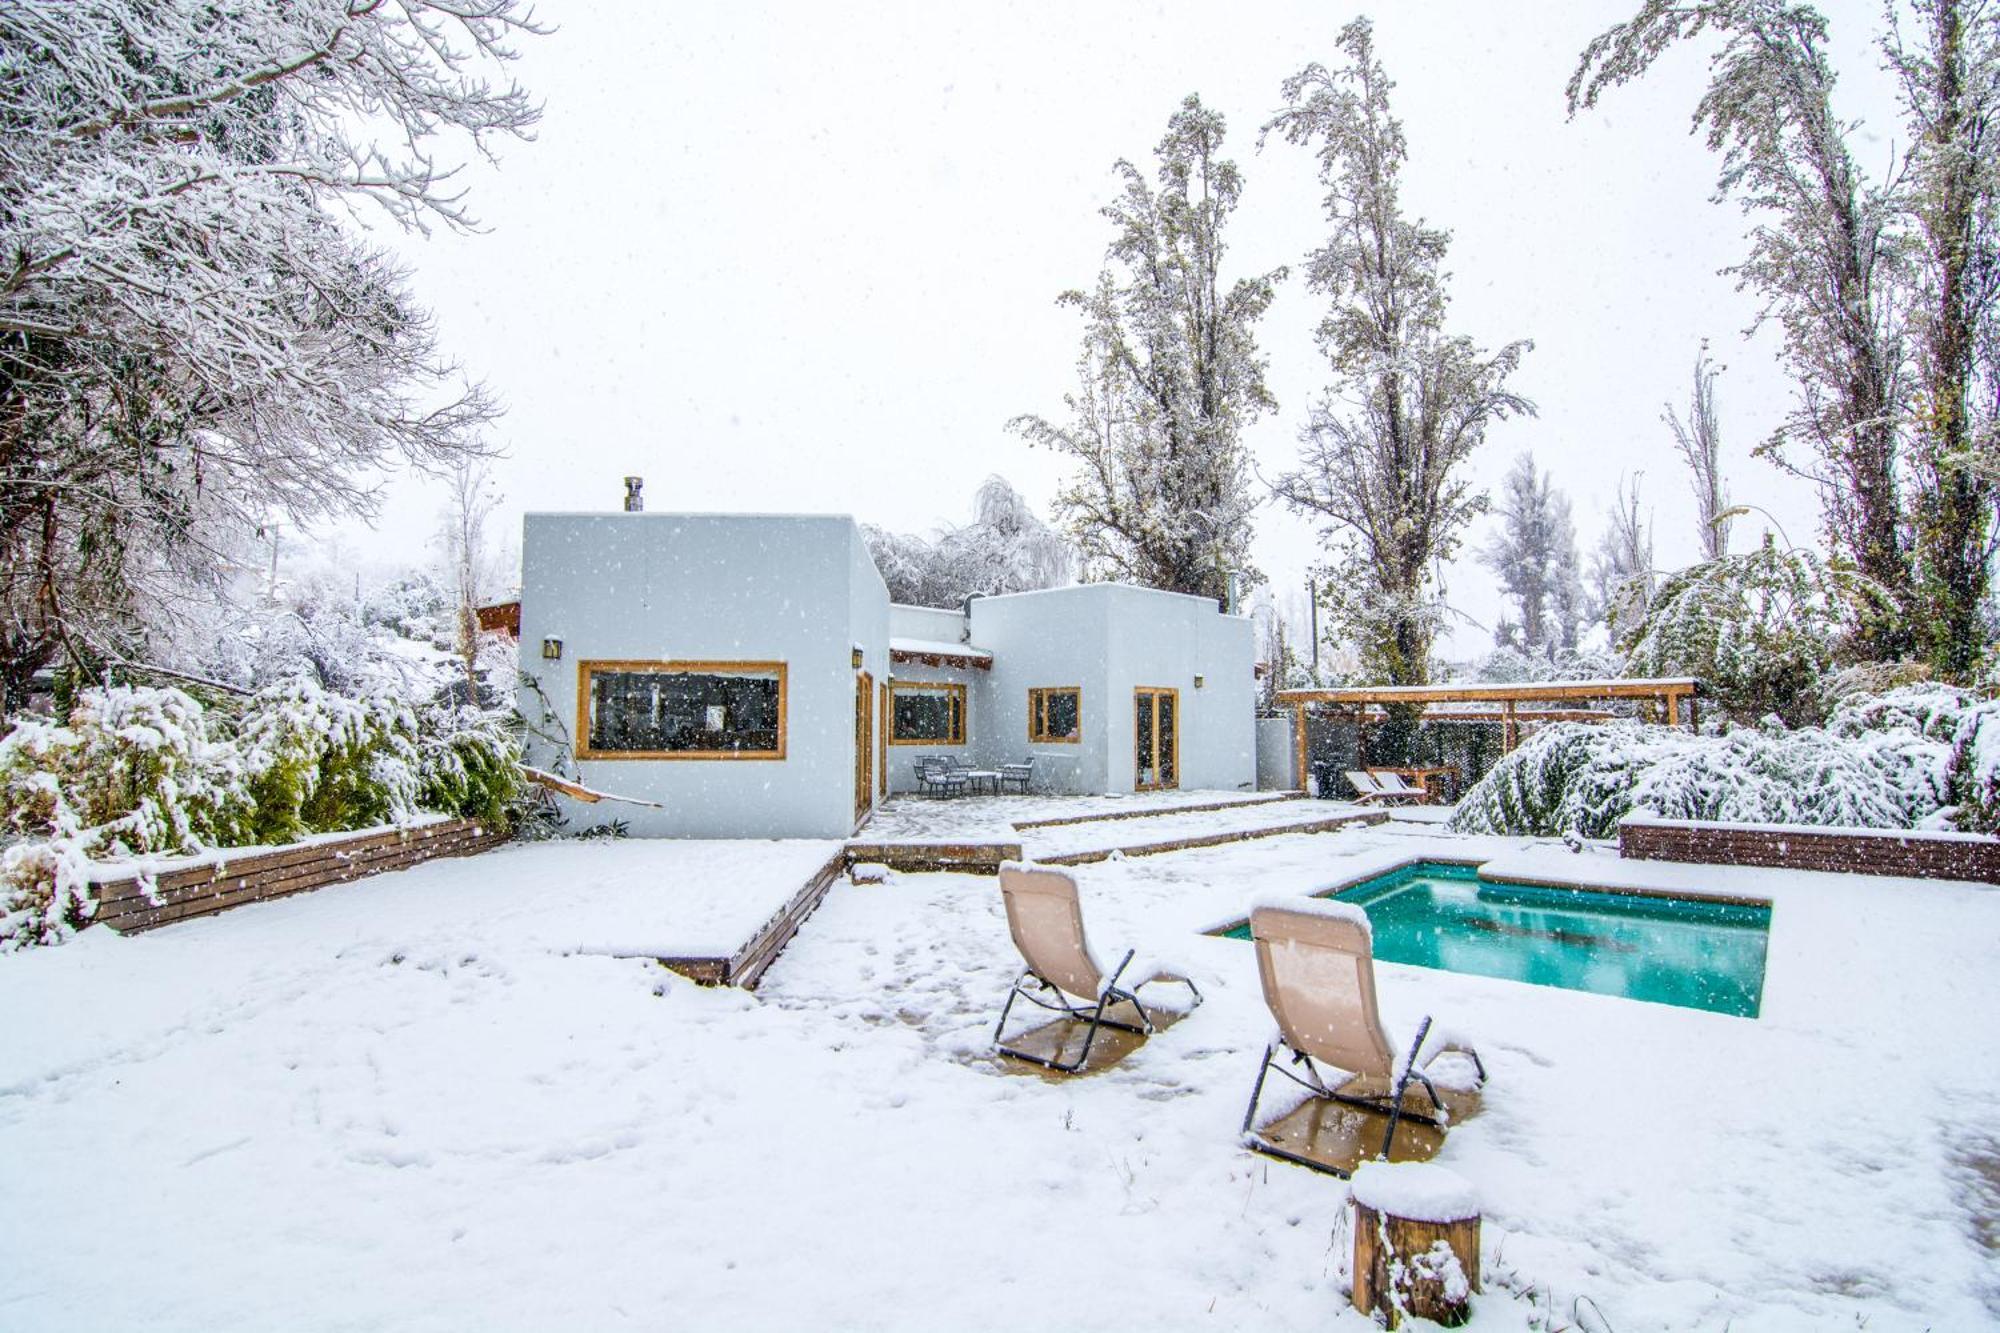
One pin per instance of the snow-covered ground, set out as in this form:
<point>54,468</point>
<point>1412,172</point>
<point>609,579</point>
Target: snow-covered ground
<point>407,1103</point>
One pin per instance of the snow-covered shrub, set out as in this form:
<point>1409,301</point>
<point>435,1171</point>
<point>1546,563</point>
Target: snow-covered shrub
<point>468,765</point>
<point>1761,631</point>
<point>1574,777</point>
<point>133,771</point>
<point>316,761</point>
<point>1975,764</point>
<point>1929,710</point>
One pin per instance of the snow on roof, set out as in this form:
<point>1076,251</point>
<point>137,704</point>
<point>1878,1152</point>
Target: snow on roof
<point>917,648</point>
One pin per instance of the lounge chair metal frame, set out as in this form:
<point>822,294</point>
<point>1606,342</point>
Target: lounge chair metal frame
<point>1046,994</point>
<point>1093,1014</point>
<point>1316,1085</point>
<point>1317,967</point>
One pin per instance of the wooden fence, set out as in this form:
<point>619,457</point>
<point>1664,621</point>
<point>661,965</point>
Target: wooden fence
<point>1918,855</point>
<point>232,880</point>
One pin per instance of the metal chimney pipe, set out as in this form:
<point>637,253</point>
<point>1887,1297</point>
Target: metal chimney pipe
<point>633,503</point>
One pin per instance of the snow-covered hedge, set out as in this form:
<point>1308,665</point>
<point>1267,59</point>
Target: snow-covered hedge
<point>139,772</point>
<point>1762,630</point>
<point>1922,756</point>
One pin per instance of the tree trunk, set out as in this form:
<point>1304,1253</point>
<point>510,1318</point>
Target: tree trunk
<point>1426,1269</point>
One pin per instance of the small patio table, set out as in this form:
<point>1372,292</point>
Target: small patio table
<point>989,777</point>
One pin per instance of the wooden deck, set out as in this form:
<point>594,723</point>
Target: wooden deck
<point>747,965</point>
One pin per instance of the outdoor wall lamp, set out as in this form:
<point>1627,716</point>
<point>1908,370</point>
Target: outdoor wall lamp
<point>552,648</point>
<point>857,659</point>
<point>1198,680</point>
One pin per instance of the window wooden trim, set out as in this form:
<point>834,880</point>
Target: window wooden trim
<point>586,669</point>
<point>1037,701</point>
<point>933,687</point>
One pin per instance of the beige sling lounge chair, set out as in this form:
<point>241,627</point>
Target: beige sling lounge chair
<point>1046,919</point>
<point>1316,960</point>
<point>1371,789</point>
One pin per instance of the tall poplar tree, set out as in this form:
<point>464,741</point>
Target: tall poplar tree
<point>1885,292</point>
<point>1170,375</point>
<point>1382,452</point>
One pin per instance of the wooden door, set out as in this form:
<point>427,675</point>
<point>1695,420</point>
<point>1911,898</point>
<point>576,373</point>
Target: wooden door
<point>864,744</point>
<point>882,741</point>
<point>1156,735</point>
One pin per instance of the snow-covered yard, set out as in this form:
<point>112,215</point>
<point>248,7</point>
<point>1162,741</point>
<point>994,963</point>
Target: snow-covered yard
<point>411,1102</point>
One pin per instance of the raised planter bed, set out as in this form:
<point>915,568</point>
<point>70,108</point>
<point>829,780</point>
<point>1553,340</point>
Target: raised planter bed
<point>192,887</point>
<point>1914,854</point>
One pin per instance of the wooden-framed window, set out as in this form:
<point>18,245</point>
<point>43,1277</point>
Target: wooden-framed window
<point>680,710</point>
<point>1055,715</point>
<point>926,713</point>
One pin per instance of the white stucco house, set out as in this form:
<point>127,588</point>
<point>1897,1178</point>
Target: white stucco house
<point>749,673</point>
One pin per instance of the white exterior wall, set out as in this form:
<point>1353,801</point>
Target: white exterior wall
<point>1165,640</point>
<point>1110,639</point>
<point>698,587</point>
<point>926,622</point>
<point>1054,639</point>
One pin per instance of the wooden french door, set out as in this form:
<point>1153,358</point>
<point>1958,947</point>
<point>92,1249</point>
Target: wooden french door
<point>1156,733</point>
<point>864,743</point>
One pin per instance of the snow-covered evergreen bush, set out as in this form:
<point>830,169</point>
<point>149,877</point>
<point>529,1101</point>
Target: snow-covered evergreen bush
<point>316,761</point>
<point>133,771</point>
<point>1761,631</point>
<point>1975,762</point>
<point>138,772</point>
<point>468,764</point>
<point>1578,778</point>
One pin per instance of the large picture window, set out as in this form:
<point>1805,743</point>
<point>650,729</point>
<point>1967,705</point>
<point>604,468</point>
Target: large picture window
<point>681,710</point>
<point>1055,715</point>
<point>926,714</point>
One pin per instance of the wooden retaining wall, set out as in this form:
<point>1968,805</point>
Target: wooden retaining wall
<point>1794,847</point>
<point>971,858</point>
<point>231,881</point>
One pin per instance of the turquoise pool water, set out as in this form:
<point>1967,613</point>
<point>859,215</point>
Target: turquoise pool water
<point>1685,951</point>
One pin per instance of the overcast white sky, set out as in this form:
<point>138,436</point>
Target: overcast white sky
<point>804,257</point>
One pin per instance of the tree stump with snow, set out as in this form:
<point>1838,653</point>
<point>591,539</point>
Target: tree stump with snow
<point>1416,1242</point>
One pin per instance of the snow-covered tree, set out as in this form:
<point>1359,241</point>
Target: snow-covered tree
<point>192,334</point>
<point>1621,571</point>
<point>1761,631</point>
<point>1949,72</point>
<point>469,559</point>
<point>1381,465</point>
<point>1886,291</point>
<point>1169,377</point>
<point>1534,554</point>
<point>1699,441</point>
<point>1006,548</point>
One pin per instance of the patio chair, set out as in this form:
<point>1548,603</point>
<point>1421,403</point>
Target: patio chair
<point>1369,790</point>
<point>1394,784</point>
<point>936,775</point>
<point>1317,963</point>
<point>1020,776</point>
<point>1045,917</point>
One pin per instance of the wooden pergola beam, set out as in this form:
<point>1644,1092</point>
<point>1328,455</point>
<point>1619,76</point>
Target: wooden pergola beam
<point>1578,691</point>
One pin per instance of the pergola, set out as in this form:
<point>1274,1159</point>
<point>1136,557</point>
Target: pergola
<point>1444,703</point>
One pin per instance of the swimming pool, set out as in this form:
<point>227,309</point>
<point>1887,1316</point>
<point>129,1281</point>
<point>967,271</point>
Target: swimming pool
<point>1692,952</point>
